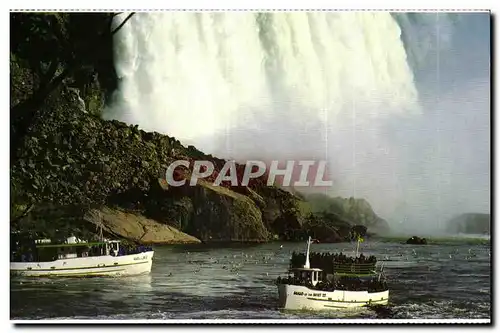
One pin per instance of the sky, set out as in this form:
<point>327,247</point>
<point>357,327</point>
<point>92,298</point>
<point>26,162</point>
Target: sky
<point>448,147</point>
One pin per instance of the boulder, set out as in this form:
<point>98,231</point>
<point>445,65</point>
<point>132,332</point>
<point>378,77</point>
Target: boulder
<point>416,240</point>
<point>137,228</point>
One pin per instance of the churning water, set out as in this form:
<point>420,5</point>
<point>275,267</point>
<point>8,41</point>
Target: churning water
<point>446,281</point>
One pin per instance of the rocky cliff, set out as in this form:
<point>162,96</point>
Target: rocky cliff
<point>470,223</point>
<point>350,210</point>
<point>71,170</point>
<point>70,157</point>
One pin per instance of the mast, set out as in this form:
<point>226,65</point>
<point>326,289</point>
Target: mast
<point>307,264</point>
<point>96,218</point>
<point>359,240</point>
<point>99,229</point>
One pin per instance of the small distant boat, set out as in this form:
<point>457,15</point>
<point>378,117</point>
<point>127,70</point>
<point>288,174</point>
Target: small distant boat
<point>75,258</point>
<point>352,284</point>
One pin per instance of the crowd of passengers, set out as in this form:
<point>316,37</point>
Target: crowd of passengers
<point>28,255</point>
<point>328,261</point>
<point>21,257</point>
<point>343,283</point>
<point>126,250</point>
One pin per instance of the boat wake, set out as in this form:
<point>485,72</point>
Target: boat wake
<point>443,310</point>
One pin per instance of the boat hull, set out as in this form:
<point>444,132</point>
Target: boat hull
<point>134,264</point>
<point>292,297</point>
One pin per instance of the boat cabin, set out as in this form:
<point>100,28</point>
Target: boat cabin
<point>312,275</point>
<point>44,250</point>
<point>48,252</point>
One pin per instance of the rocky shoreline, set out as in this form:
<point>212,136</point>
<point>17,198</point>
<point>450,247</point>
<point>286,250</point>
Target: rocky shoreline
<point>70,158</point>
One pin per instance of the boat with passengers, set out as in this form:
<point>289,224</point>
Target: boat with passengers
<point>77,258</point>
<point>324,281</point>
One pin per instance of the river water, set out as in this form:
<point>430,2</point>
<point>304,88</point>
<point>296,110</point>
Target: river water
<point>446,281</point>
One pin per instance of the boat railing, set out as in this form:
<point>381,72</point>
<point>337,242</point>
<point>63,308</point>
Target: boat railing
<point>354,268</point>
<point>347,266</point>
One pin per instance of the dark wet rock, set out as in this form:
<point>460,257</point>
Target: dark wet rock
<point>327,228</point>
<point>416,240</point>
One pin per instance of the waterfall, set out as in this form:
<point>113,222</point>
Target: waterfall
<point>271,86</point>
<point>203,76</point>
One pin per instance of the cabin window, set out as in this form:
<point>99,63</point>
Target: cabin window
<point>47,254</point>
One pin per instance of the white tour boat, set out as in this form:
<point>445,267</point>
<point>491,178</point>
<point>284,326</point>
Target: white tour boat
<point>81,259</point>
<point>313,289</point>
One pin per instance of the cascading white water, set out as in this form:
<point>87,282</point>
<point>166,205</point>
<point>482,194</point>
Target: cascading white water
<point>194,75</point>
<point>269,86</point>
